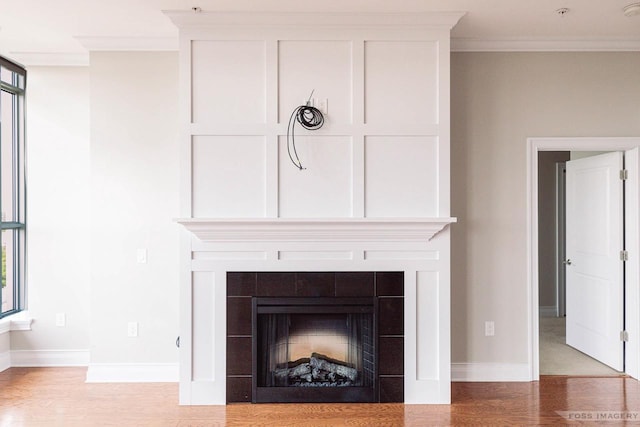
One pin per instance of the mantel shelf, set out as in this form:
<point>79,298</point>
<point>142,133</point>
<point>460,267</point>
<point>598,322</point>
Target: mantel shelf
<point>314,230</point>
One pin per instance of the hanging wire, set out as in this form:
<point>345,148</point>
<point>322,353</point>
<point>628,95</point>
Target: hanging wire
<point>309,118</point>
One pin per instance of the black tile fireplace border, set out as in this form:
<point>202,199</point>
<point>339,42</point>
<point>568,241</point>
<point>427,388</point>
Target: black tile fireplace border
<point>387,286</point>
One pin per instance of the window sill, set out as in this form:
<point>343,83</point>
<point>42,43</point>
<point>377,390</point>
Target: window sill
<point>16,322</point>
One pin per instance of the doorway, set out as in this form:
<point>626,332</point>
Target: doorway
<point>632,293</point>
<point>556,356</point>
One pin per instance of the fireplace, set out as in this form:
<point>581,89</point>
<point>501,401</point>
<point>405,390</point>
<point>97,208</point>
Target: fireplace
<point>373,203</point>
<point>314,349</point>
<point>313,337</point>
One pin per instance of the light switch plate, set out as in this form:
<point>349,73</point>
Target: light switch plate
<point>61,319</point>
<point>132,329</point>
<point>489,328</point>
<point>142,256</point>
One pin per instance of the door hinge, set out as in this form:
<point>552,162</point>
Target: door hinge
<point>624,256</point>
<point>624,336</point>
<point>624,174</point>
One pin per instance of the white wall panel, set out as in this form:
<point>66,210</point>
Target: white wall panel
<point>314,255</point>
<point>322,66</point>
<point>401,175</point>
<point>428,325</point>
<point>401,82</point>
<point>228,176</point>
<point>323,189</point>
<point>229,255</point>
<point>228,81</point>
<point>203,332</point>
<point>402,255</point>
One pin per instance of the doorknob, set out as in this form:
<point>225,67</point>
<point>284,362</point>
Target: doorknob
<point>567,262</point>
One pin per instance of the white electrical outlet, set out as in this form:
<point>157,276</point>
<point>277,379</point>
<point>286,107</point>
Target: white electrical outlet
<point>489,328</point>
<point>322,105</point>
<point>61,319</point>
<point>132,329</point>
<point>142,256</point>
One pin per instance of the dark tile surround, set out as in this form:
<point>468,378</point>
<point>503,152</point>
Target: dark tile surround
<point>387,286</point>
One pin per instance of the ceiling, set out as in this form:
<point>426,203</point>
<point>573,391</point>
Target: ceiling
<point>34,31</point>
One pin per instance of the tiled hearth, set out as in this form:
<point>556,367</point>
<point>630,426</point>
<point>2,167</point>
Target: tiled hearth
<point>388,287</point>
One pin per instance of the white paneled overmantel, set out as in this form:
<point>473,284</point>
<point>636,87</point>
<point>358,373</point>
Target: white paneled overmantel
<point>374,194</point>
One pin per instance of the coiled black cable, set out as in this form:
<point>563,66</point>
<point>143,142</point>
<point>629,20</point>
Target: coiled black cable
<point>309,118</point>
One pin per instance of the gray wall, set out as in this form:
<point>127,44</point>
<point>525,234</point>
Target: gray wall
<point>57,209</point>
<point>134,199</point>
<point>103,183</point>
<point>498,100</point>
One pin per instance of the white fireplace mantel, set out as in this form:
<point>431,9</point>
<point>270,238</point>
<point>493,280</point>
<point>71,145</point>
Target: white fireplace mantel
<point>305,230</point>
<point>375,196</point>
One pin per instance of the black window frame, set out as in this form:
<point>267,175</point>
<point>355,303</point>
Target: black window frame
<point>15,221</point>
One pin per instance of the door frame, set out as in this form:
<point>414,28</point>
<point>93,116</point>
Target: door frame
<point>561,247</point>
<point>632,237</point>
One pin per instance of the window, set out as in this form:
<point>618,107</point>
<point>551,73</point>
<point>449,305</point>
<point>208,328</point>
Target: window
<point>12,186</point>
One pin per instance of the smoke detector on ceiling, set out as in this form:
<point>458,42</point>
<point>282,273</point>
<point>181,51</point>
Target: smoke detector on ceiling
<point>631,9</point>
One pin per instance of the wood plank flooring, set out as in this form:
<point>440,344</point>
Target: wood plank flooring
<point>37,397</point>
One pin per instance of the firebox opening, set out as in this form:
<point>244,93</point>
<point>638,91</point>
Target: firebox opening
<point>315,343</point>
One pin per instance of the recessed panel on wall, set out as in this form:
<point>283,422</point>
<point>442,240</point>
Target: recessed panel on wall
<point>428,325</point>
<point>320,66</point>
<point>401,82</point>
<point>203,298</point>
<point>228,81</point>
<point>324,187</point>
<point>228,176</point>
<point>401,176</point>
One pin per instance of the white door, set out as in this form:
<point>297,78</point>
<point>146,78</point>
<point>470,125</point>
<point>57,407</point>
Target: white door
<point>594,273</point>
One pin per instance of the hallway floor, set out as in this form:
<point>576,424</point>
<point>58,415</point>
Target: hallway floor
<point>557,358</point>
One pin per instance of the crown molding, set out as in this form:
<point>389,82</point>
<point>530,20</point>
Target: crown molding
<point>191,19</point>
<point>545,45</point>
<point>51,59</point>
<point>81,59</point>
<point>92,43</point>
<point>315,230</point>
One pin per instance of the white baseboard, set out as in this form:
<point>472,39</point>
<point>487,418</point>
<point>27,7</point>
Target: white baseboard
<point>133,373</point>
<point>169,372</point>
<point>96,372</point>
<point>548,311</point>
<point>490,372</point>
<point>5,360</point>
<point>46,358</point>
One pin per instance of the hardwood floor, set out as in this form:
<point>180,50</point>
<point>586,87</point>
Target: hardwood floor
<point>60,397</point>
